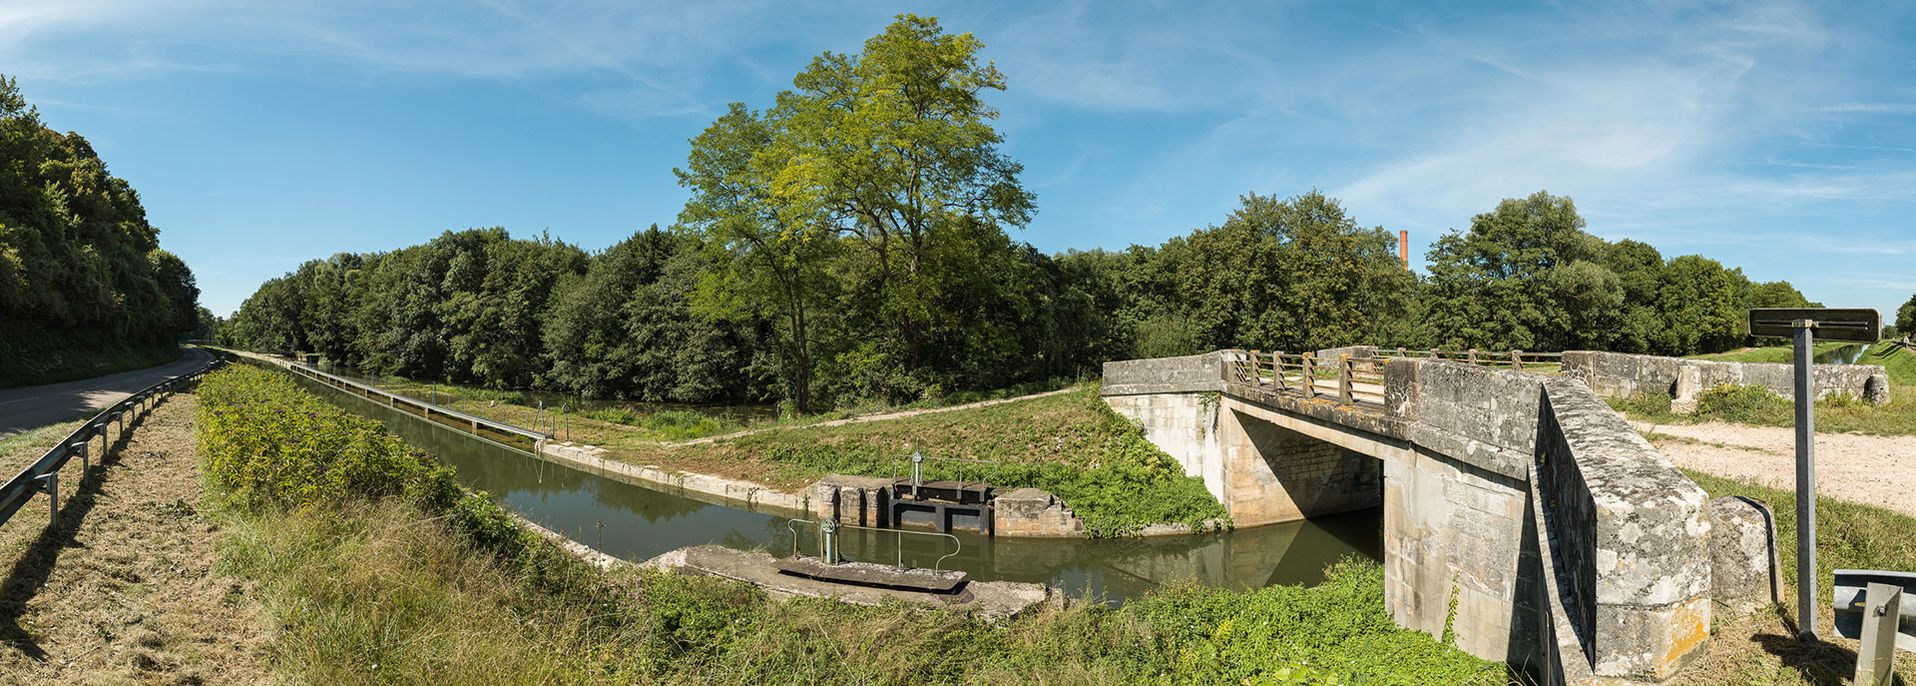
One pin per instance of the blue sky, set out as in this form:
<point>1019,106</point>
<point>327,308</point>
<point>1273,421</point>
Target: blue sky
<point>1778,137</point>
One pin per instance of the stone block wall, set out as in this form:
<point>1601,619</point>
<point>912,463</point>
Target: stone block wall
<point>1033,512</point>
<point>1743,555</point>
<point>1456,532</point>
<point>854,500</point>
<point>1621,375</point>
<point>1184,426</point>
<point>1191,373</point>
<point>1649,606</point>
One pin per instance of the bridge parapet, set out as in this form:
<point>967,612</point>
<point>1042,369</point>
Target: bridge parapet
<point>1487,473</point>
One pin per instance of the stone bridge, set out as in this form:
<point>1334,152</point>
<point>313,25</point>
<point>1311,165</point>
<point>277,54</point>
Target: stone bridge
<point>1519,509</point>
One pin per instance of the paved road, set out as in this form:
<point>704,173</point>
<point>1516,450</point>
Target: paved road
<point>32,406</point>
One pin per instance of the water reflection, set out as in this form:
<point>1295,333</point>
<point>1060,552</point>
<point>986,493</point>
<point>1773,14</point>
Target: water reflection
<point>637,523</point>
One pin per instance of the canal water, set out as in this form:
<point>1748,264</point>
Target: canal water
<point>637,523</point>
<point>1847,354</point>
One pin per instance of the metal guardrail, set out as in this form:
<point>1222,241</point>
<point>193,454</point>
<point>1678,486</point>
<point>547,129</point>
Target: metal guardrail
<point>43,476</point>
<point>391,398</point>
<point>918,458</point>
<point>828,545</point>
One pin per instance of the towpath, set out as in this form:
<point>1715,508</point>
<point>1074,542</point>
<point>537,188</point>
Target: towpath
<point>123,589</point>
<point>1874,470</point>
<point>879,417</point>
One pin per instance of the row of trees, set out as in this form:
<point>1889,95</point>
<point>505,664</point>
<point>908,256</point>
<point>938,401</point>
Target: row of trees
<point>851,241</point>
<point>81,270</point>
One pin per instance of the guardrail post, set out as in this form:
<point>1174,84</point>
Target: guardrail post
<point>101,427</point>
<point>85,464</point>
<point>1882,613</point>
<point>1310,377</point>
<point>50,483</point>
<point>1344,379</point>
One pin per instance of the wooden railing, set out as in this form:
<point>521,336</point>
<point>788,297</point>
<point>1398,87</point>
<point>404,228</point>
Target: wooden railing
<point>1358,380</point>
<point>1512,359</point>
<point>1345,380</point>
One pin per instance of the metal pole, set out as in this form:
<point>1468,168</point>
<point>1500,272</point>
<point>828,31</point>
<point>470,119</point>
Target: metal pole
<point>828,536</point>
<point>1805,405</point>
<point>917,469</point>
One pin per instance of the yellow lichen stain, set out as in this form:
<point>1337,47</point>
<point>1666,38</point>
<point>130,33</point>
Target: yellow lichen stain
<point>1689,628</point>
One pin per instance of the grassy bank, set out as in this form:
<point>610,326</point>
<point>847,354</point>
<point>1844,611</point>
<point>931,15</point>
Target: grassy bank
<point>1071,444</point>
<point>378,574</point>
<point>1762,649</point>
<point>1774,353</point>
<point>36,361</point>
<point>654,422</point>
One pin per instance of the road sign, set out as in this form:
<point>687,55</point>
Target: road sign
<point>1828,323</point>
<point>1878,609</point>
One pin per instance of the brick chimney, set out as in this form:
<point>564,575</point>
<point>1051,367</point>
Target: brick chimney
<point>1403,248</point>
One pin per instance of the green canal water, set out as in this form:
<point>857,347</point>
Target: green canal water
<point>637,523</point>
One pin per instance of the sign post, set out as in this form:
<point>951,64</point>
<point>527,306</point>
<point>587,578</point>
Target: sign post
<point>1803,326</point>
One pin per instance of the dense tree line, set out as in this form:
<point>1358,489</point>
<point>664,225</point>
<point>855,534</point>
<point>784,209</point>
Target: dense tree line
<point>82,274</point>
<point>852,241</point>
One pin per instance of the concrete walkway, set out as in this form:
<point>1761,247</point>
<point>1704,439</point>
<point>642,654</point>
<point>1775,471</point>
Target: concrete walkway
<point>31,406</point>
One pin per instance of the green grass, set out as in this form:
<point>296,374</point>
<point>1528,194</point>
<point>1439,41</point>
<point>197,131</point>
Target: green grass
<point>1070,444</point>
<point>374,579</point>
<point>1848,535</point>
<point>1775,353</point>
<point>381,593</point>
<point>21,449</point>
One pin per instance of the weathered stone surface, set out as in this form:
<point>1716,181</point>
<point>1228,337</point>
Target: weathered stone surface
<point>1458,445</point>
<point>1651,580</point>
<point>855,500</point>
<point>1033,512</point>
<point>1620,375</point>
<point>1743,555</point>
<point>990,600</point>
<point>1191,373</point>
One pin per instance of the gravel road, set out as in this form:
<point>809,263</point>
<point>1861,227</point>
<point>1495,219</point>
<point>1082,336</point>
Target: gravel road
<point>1876,470</point>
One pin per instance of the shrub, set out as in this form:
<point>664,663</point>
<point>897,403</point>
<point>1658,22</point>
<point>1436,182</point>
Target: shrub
<point>1745,404</point>
<point>270,445</point>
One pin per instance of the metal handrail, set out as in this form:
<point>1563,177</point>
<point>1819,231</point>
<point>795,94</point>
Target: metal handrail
<point>936,566</point>
<point>43,474</point>
<point>495,424</point>
<point>917,458</point>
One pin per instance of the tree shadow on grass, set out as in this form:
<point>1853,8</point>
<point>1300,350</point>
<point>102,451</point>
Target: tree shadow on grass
<point>35,565</point>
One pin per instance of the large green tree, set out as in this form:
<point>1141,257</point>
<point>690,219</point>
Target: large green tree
<point>82,275</point>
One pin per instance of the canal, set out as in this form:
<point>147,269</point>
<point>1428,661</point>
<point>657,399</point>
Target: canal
<point>636,523</point>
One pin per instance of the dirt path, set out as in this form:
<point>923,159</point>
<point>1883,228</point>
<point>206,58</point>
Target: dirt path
<point>882,416</point>
<point>1876,470</point>
<point>123,590</point>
